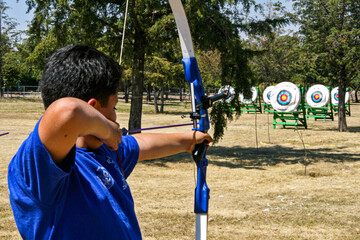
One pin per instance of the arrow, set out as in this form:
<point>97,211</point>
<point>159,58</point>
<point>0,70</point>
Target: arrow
<point>125,131</point>
<point>2,134</point>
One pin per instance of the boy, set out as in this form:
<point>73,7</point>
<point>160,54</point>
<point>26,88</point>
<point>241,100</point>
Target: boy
<point>68,178</point>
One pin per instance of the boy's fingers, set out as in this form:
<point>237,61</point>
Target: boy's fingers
<point>114,140</point>
<point>209,138</point>
<point>199,137</point>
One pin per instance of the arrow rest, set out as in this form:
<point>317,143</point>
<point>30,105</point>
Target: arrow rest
<point>206,102</point>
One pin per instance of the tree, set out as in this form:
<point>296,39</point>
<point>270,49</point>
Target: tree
<point>277,59</point>
<point>8,37</point>
<point>158,73</point>
<point>11,69</point>
<point>331,30</point>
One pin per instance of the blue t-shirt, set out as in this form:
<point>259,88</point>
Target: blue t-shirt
<point>89,200</point>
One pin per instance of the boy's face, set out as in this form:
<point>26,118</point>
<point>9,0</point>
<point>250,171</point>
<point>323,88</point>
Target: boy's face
<point>109,110</point>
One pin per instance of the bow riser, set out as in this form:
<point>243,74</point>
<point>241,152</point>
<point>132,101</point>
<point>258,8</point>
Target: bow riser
<point>202,191</point>
<point>192,76</point>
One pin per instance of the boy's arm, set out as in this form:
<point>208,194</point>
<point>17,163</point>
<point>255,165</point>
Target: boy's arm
<point>157,145</point>
<point>68,118</point>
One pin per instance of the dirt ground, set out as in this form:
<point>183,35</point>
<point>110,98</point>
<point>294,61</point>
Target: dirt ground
<point>258,186</point>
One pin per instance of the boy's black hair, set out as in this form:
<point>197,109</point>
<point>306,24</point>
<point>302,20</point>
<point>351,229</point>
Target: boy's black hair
<point>81,72</point>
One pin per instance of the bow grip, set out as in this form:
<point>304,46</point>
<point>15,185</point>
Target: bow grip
<point>199,151</point>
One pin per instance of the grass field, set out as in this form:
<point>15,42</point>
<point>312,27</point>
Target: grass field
<point>258,186</point>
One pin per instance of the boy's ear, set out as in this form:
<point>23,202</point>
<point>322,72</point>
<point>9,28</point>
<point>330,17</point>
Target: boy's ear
<point>95,103</point>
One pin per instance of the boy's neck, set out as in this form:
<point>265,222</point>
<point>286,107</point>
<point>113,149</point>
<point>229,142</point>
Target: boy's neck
<point>89,142</point>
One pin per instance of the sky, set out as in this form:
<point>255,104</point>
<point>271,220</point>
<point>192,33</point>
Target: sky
<point>17,11</point>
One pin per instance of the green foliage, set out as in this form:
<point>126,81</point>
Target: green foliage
<point>331,38</point>
<point>278,59</point>
<point>221,114</point>
<point>157,70</point>
<point>209,65</point>
<point>330,29</point>
<point>8,37</point>
<point>16,70</point>
<point>42,51</point>
<point>10,69</point>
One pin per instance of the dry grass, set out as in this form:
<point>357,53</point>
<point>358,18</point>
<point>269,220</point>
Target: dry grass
<point>258,191</point>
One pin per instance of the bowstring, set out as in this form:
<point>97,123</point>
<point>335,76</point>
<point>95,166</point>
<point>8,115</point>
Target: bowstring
<point>123,35</point>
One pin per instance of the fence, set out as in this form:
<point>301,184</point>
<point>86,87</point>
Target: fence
<point>172,93</point>
<point>33,92</point>
<point>22,91</point>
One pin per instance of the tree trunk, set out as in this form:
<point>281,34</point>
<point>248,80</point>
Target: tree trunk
<point>127,92</point>
<point>181,94</point>
<point>356,96</point>
<point>155,100</point>
<point>148,90</point>
<point>167,93</point>
<point>162,100</point>
<point>138,72</point>
<point>341,106</point>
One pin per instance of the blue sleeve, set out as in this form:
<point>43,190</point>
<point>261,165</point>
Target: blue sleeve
<point>32,171</point>
<point>129,154</point>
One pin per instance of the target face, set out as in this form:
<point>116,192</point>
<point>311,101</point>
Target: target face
<point>335,96</point>
<point>245,100</point>
<point>267,94</point>
<point>285,97</point>
<point>230,90</point>
<point>317,96</point>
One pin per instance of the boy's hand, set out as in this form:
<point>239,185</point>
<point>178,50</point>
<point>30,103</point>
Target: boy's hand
<point>115,136</point>
<point>197,138</point>
<point>158,145</point>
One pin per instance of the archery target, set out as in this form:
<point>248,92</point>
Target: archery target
<point>231,92</point>
<point>317,96</point>
<point>285,97</point>
<point>267,94</point>
<point>335,96</point>
<point>245,100</point>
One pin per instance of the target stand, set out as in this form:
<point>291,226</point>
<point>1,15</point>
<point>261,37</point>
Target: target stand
<point>252,105</point>
<point>319,103</point>
<point>267,108</point>
<point>335,101</point>
<point>267,102</point>
<point>287,99</point>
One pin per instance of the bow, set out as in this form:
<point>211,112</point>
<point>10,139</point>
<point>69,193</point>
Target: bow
<point>200,103</point>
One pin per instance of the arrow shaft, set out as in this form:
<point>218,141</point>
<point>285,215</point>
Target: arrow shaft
<point>159,127</point>
<point>2,134</point>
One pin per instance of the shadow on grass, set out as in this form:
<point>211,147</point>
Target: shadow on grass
<point>252,158</point>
